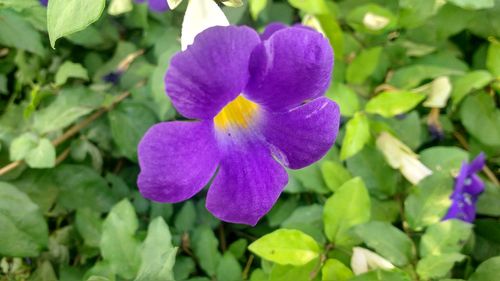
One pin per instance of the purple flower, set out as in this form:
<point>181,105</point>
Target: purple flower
<point>468,187</point>
<point>44,2</point>
<point>257,105</point>
<point>156,5</point>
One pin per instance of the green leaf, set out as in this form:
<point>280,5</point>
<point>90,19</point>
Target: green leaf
<point>290,272</point>
<point>444,158</point>
<point>310,6</point>
<point>229,269</point>
<point>186,218</point>
<point>238,248</point>
<point>356,136</point>
<point>70,70</point>
<point>16,32</point>
<point>205,247</point>
<point>348,207</point>
<point>24,230</point>
<point>307,219</point>
<point>80,187</point>
<point>42,156</point>
<point>333,32</point>
<point>286,246</point>
<point>493,58</point>
<point>129,121</point>
<point>89,224</point>
<point>387,240</point>
<point>345,97</point>
<point>489,201</point>
<point>363,65</point>
<point>371,19</point>
<point>473,4</point>
<point>487,271</point>
<point>158,254</point>
<point>429,200</point>
<point>382,275</point>
<point>437,266</point>
<point>310,179</point>
<point>481,109</point>
<point>22,145</point>
<point>370,165</point>
<point>334,174</point>
<point>118,244</point>
<point>335,270</point>
<point>467,83</point>
<point>256,7</point>
<point>69,105</point>
<point>411,76</point>
<point>393,103</point>
<point>65,17</point>
<point>445,237</point>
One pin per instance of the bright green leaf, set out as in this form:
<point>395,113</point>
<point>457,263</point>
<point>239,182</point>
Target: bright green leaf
<point>348,207</point>
<point>334,174</point>
<point>335,270</point>
<point>356,136</point>
<point>256,7</point>
<point>437,266</point>
<point>471,81</point>
<point>445,237</point>
<point>393,103</point>
<point>473,4</point>
<point>286,246</point>
<point>345,97</point>
<point>42,156</point>
<point>22,145</point>
<point>363,65</point>
<point>310,6</point>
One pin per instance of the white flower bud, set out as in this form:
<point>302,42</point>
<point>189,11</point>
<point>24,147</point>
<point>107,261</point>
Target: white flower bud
<point>364,260</point>
<point>375,22</point>
<point>401,157</point>
<point>200,15</point>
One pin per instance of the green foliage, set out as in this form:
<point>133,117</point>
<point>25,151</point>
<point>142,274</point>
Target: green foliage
<point>71,119</point>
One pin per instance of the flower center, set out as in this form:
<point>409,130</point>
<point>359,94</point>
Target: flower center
<point>237,113</point>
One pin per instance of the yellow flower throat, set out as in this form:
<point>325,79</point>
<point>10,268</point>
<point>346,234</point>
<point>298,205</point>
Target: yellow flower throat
<point>237,113</point>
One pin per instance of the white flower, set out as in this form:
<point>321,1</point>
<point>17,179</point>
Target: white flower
<point>375,22</point>
<point>399,156</point>
<point>438,92</point>
<point>200,15</point>
<point>364,260</point>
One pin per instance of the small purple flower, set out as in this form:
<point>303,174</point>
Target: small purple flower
<point>44,2</point>
<point>256,104</point>
<point>468,187</point>
<point>156,5</point>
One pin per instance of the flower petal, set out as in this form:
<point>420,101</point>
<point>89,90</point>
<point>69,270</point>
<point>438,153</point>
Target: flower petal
<point>248,183</point>
<point>177,159</point>
<point>212,72</point>
<point>200,15</point>
<point>303,135</point>
<point>271,29</point>
<point>293,65</point>
<point>158,5</point>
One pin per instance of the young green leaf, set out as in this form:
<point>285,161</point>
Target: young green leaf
<point>335,270</point>
<point>432,267</point>
<point>356,136</point>
<point>286,246</point>
<point>445,237</point>
<point>363,65</point>
<point>65,17</point>
<point>393,103</point>
<point>158,254</point>
<point>119,246</point>
<point>348,207</point>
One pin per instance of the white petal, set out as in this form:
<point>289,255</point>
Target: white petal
<point>439,92</point>
<point>413,170</point>
<point>117,7</point>
<point>374,21</point>
<point>364,260</point>
<point>399,156</point>
<point>172,4</point>
<point>200,15</point>
<point>359,263</point>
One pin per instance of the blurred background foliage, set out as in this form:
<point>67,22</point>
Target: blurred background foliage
<point>425,71</point>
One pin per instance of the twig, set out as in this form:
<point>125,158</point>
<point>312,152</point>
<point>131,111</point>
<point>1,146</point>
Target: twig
<point>71,131</point>
<point>222,238</point>
<point>246,270</point>
<point>63,156</point>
